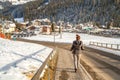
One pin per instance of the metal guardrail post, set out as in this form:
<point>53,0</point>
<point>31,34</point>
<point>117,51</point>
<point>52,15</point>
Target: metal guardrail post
<point>102,45</point>
<point>111,46</point>
<point>90,43</point>
<point>106,45</point>
<point>118,46</point>
<point>97,43</point>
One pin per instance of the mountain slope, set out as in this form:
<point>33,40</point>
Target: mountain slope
<point>75,11</point>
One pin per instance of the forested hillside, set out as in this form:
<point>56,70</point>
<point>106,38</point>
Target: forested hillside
<point>75,11</point>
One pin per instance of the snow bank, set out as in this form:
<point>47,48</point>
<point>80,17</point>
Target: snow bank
<point>20,60</point>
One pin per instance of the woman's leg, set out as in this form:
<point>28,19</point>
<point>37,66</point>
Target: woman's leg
<point>77,59</point>
<point>74,58</point>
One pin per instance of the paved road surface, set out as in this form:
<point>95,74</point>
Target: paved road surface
<point>65,69</point>
<point>105,65</point>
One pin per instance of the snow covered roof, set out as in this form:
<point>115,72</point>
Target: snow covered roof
<point>57,26</point>
<point>46,26</point>
<point>17,2</point>
<point>45,20</point>
<point>12,25</point>
<point>19,20</point>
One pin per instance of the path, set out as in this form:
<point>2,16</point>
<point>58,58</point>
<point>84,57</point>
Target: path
<point>65,68</point>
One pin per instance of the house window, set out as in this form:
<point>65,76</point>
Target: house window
<point>44,29</point>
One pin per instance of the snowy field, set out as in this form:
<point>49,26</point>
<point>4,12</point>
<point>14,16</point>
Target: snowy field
<point>19,60</point>
<point>69,37</point>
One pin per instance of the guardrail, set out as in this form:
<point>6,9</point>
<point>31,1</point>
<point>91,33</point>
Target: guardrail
<point>106,45</point>
<point>46,66</point>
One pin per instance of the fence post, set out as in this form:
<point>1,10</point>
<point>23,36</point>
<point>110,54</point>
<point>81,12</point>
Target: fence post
<point>106,45</point>
<point>97,43</point>
<point>101,45</point>
<point>90,43</point>
<point>111,46</point>
<point>117,46</point>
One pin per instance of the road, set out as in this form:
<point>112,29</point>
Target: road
<point>105,65</point>
<point>101,65</point>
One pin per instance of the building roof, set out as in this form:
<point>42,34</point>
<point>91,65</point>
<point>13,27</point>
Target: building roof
<point>12,25</point>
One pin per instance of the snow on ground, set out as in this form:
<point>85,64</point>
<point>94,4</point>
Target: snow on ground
<point>19,59</point>
<point>116,52</point>
<point>69,37</point>
<point>19,19</point>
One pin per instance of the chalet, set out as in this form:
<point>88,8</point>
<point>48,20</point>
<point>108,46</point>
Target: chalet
<point>8,27</point>
<point>68,26</point>
<point>78,27</point>
<point>21,26</point>
<point>45,26</point>
<point>46,29</point>
<point>57,28</point>
<point>36,22</point>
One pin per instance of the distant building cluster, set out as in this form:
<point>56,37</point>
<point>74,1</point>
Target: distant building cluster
<point>46,27</point>
<point>23,29</point>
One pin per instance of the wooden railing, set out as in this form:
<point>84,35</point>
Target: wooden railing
<point>106,45</point>
<point>44,71</point>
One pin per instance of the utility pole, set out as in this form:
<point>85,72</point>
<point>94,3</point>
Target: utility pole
<point>54,33</point>
<point>53,16</point>
<point>60,29</point>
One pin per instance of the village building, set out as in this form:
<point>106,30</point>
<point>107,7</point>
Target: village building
<point>0,28</point>
<point>68,26</point>
<point>36,22</point>
<point>46,29</point>
<point>78,27</point>
<point>45,26</point>
<point>21,26</point>
<point>42,26</point>
<point>8,27</point>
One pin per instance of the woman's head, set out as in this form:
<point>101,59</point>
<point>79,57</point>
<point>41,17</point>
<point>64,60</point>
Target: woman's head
<point>77,37</point>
